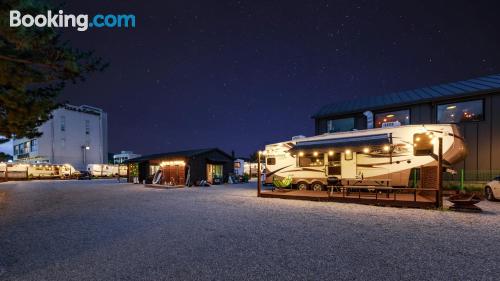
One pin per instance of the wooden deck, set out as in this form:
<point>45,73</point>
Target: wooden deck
<point>398,197</point>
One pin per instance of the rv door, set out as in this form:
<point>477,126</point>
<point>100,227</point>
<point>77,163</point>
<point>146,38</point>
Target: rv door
<point>348,163</point>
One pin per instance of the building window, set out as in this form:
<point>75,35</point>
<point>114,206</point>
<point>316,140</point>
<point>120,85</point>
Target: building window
<point>34,145</point>
<point>460,112</point>
<point>87,127</point>
<point>340,125</point>
<point>63,123</point>
<point>400,117</point>
<point>311,160</point>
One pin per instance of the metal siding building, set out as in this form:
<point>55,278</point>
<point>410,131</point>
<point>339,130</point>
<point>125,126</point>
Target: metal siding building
<point>481,129</point>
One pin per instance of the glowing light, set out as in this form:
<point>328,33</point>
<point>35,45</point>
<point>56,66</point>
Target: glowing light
<point>330,152</point>
<point>347,151</point>
<point>366,150</point>
<point>315,153</point>
<point>386,148</point>
<point>451,107</point>
<point>172,163</point>
<point>389,115</point>
<point>417,139</point>
<point>301,154</point>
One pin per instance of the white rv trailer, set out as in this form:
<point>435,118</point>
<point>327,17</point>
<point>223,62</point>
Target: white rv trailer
<point>239,167</point>
<point>382,153</point>
<point>24,170</point>
<point>107,170</point>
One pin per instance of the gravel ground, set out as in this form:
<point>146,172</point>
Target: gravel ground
<point>102,230</point>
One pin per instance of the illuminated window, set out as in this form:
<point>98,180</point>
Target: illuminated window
<point>400,117</point>
<point>311,160</point>
<point>340,125</point>
<point>460,112</point>
<point>237,165</point>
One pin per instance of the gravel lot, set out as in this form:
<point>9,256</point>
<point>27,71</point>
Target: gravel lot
<point>102,230</point>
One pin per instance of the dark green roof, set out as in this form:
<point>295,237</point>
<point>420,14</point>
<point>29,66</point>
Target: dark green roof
<point>182,153</point>
<point>438,92</point>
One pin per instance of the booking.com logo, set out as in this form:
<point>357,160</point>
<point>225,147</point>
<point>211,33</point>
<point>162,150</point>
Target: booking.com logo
<point>80,22</point>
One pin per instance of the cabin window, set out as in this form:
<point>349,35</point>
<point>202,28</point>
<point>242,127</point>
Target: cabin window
<point>460,112</point>
<point>340,125</point>
<point>311,160</point>
<point>400,117</point>
<point>271,161</point>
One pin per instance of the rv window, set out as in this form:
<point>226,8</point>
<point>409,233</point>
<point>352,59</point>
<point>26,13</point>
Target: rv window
<point>460,112</point>
<point>271,161</point>
<point>309,160</point>
<point>401,116</point>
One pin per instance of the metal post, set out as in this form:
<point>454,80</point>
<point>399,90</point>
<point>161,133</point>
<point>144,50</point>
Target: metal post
<point>440,174</point>
<point>462,175</point>
<point>258,175</point>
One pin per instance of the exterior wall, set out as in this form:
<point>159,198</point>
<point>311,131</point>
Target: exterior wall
<point>61,144</point>
<point>482,137</point>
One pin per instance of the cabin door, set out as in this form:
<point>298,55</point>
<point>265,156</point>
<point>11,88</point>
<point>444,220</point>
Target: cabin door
<point>348,163</point>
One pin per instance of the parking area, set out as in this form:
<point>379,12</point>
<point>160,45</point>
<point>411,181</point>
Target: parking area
<point>104,230</point>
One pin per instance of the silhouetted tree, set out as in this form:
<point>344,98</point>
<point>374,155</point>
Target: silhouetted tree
<point>35,65</point>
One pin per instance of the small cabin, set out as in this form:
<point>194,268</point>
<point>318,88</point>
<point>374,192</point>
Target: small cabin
<point>185,167</point>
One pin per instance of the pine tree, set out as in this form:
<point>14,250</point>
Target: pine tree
<point>35,65</point>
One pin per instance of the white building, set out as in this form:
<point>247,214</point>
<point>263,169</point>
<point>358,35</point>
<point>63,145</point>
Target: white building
<point>77,135</point>
<point>124,155</point>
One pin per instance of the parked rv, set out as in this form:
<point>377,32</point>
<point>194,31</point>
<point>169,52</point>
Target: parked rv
<point>107,170</point>
<point>387,155</point>
<point>26,171</point>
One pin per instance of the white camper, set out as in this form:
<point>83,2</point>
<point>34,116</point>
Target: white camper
<point>24,170</point>
<point>239,167</point>
<point>383,153</point>
<point>103,170</point>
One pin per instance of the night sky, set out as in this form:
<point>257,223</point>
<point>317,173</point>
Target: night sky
<point>240,74</point>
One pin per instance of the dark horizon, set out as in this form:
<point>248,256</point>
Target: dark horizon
<point>239,75</point>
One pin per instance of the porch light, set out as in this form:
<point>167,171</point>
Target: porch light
<point>386,148</point>
<point>330,152</point>
<point>301,154</point>
<point>366,150</point>
<point>315,153</point>
<point>347,151</point>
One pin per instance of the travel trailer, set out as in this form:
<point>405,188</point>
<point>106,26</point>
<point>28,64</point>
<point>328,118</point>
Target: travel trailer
<point>24,171</point>
<point>107,170</point>
<point>239,167</point>
<point>389,154</point>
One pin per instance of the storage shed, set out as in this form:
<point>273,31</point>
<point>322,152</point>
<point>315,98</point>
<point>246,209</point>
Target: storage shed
<point>185,167</point>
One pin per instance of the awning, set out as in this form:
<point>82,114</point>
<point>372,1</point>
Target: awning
<point>349,142</point>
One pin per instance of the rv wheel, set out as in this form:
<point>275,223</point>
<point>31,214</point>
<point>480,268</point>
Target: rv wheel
<point>302,186</point>
<point>317,186</point>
